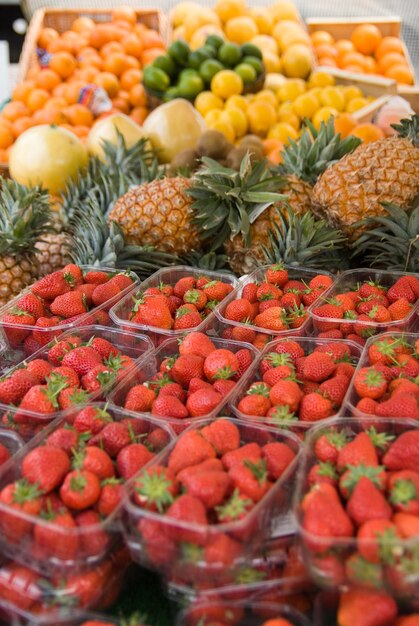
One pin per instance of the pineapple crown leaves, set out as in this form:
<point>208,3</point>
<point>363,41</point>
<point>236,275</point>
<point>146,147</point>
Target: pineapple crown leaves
<point>25,215</point>
<point>226,202</point>
<point>392,240</point>
<point>409,129</point>
<point>304,240</point>
<point>315,151</point>
<point>206,261</point>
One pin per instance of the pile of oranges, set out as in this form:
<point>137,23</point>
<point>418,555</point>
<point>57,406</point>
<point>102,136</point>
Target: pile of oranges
<point>366,52</point>
<point>110,55</point>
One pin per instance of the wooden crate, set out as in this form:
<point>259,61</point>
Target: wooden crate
<point>342,28</point>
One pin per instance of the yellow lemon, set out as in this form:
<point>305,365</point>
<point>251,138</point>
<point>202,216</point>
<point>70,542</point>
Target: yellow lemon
<point>195,20</point>
<point>287,33</point>
<point>290,90</point>
<point>225,127</point>
<point>261,116</point>
<point>206,101</point>
<point>269,96</point>
<point>266,43</point>
<point>236,102</point>
<point>320,79</point>
<point>199,37</point>
<point>274,81</point>
<point>240,29</point>
<point>283,132</point>
<point>284,10</point>
<point>237,118</point>
<point>226,83</point>
<point>181,11</point>
<point>350,92</point>
<point>316,91</point>
<point>305,105</point>
<point>333,97</point>
<point>272,62</point>
<point>227,9</point>
<point>287,115</point>
<point>212,116</point>
<point>355,104</point>
<point>178,33</point>
<point>323,114</point>
<point>263,19</point>
<point>297,61</point>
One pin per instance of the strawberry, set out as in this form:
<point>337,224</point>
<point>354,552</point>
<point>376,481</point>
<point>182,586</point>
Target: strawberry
<point>113,437</point>
<point>49,542</point>
<point>91,419</point>
<point>104,293</point>
<point>403,454</point>
<point>366,406</point>
<point>154,313</point>
<point>324,516</point>
<point>400,405</point>
<point>254,404</point>
<point>236,508</point>
<point>335,389</point>
<point>131,459</point>
<point>268,291</point>
<point>69,304</point>
<point>190,449</point>
<point>46,467</point>
<point>32,305</point>
<point>221,363</point>
<point>210,465</point>
<point>245,359</point>
<point>223,435</point>
<point>310,296</point>
<point>183,285</point>
<point>19,586</point>
<point>217,290</point>
<point>210,488</point>
<point>407,525</point>
<point>366,607</point>
<point>401,289</point>
<point>224,387</point>
<point>196,297</point>
<point>187,510</point>
<point>71,397</point>
<point>241,333</point>
<point>321,281</point>
<point>122,280</point>
<point>318,366</point>
<point>173,389</point>
<point>196,343</point>
<point>14,324</point>
<point>169,406</point>
<point>53,285</point>
<point>39,369</point>
<point>272,319</point>
<point>403,489</point>
<point>315,407</point>
<point>400,309</point>
<point>372,536</point>
<point>359,451</point>
<point>140,399</point>
<point>87,293</point>
<point>94,541</point>
<point>278,456</point>
<point>111,495</point>
<point>187,367</point>
<point>328,445</point>
<point>324,472</point>
<point>95,460</point>
<point>66,374</point>
<point>370,383</point>
<point>288,301</point>
<point>251,452</point>
<point>251,479</point>
<point>239,310</point>
<point>58,349</point>
<point>30,345</point>
<point>80,490</point>
<point>42,398</point>
<point>186,319</point>
<point>104,347</point>
<point>22,497</point>
<point>65,437</point>
<point>96,277</point>
<point>14,387</point>
<point>203,402</point>
<point>286,393</point>
<point>249,292</point>
<point>82,359</point>
<point>367,503</point>
<point>158,547</point>
<point>332,312</point>
<point>221,550</point>
<point>155,488</point>
<point>276,275</point>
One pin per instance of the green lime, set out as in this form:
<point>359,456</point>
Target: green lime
<point>249,49</point>
<point>171,94</point>
<point>197,57</point>
<point>247,72</point>
<point>256,63</point>
<point>215,41</point>
<point>229,54</point>
<point>210,50</point>
<point>190,86</point>
<point>187,72</point>
<point>165,63</point>
<point>179,51</point>
<point>209,68</point>
<point>156,79</point>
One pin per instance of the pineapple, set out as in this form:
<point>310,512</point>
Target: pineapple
<point>53,250</point>
<point>391,240</point>
<point>25,217</point>
<point>355,187</point>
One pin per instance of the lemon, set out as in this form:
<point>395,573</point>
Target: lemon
<point>274,81</point>
<point>350,92</point>
<point>323,114</point>
<point>227,9</point>
<point>320,79</point>
<point>237,118</point>
<point>332,97</point>
<point>261,116</point>
<point>290,90</point>
<point>207,101</point>
<point>240,29</point>
<point>225,127</point>
<point>195,20</point>
<point>181,11</point>
<point>265,43</point>
<point>283,132</point>
<point>268,96</point>
<point>355,104</point>
<point>263,19</point>
<point>305,105</point>
<point>237,102</point>
<point>272,62</point>
<point>288,33</point>
<point>226,83</point>
<point>212,116</point>
<point>284,10</point>
<point>287,115</point>
<point>297,61</point>
<point>202,33</point>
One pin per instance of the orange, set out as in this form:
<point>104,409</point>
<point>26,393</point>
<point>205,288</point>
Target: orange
<point>150,54</point>
<point>344,124</point>
<point>61,45</point>
<point>326,50</point>
<point>370,65</point>
<point>366,38</point>
<point>87,74</point>
<point>401,74</point>
<point>79,115</point>
<point>109,82</point>
<point>388,44</point>
<point>37,99</point>
<point>59,91</point>
<point>90,60</point>
<point>139,114</point>
<point>82,24</point>
<point>151,39</point>
<point>320,37</point>
<point>133,45</point>
<point>63,63</point>
<point>47,79</point>
<point>138,96</point>
<point>56,102</point>
<point>102,34</point>
<point>121,104</point>
<point>327,62</point>
<point>131,63</point>
<point>48,115</point>
<point>81,131</point>
<point>76,40</point>
<point>392,58</point>
<point>72,91</point>
<point>110,48</point>
<point>6,136</point>
<point>368,132</point>
<point>12,110</point>
<point>130,78</point>
<point>114,63</point>
<point>21,91</point>
<point>354,68</point>
<point>352,58</point>
<point>343,46</point>
<point>22,124</point>
<point>46,36</point>
<point>125,13</point>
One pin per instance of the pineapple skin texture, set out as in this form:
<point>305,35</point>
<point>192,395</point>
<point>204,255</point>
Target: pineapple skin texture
<point>52,253</point>
<point>16,273</point>
<point>386,170</point>
<point>244,260</point>
<point>158,214</point>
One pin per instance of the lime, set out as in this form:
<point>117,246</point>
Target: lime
<point>190,86</point>
<point>210,50</point>
<point>171,94</point>
<point>247,72</point>
<point>209,68</point>
<point>215,41</point>
<point>256,63</point>
<point>229,54</point>
<point>179,51</point>
<point>156,79</point>
<point>249,49</point>
<point>197,57</point>
<point>187,72</point>
<point>165,63</point>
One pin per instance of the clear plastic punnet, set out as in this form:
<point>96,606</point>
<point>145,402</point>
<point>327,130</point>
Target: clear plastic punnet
<point>120,313</point>
<point>353,528</point>
<point>26,339</point>
<point>30,535</point>
<point>203,553</point>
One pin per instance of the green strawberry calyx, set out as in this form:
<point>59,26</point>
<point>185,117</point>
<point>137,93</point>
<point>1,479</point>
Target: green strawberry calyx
<point>154,488</point>
<point>403,491</point>
<point>259,470</point>
<point>24,491</point>
<point>356,472</point>
<point>234,508</point>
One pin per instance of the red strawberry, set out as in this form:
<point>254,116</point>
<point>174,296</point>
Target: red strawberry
<point>65,373</point>
<point>325,517</point>
<point>96,277</point>
<point>169,406</point>
<point>276,275</point>
<point>236,508</point>
<point>155,488</point>
<point>53,285</point>
<point>190,449</point>
<point>318,367</point>
<point>366,607</point>
<point>278,456</point>
<point>367,503</point>
<point>321,281</point>
<point>359,451</point>
<point>324,472</point>
<point>249,292</point>
<point>403,489</point>
<point>331,334</point>
<point>87,293</point>
<point>91,419</point>
<point>21,497</point>
<point>239,310</point>
<point>82,359</point>
<point>111,495</point>
<point>245,359</point>
<point>123,281</point>
<point>183,285</point>
<point>403,454</point>
<point>370,383</point>
<point>104,293</point>
<point>203,402</point>
<point>366,406</point>
<point>39,369</point>
<point>41,399</point>
<point>65,437</point>
<point>186,319</point>
<point>94,539</point>
<point>104,347</point>
<point>210,465</point>
<point>251,452</point>
<point>272,319</point>
<point>196,343</point>
<point>132,458</point>
<point>371,537</point>
<point>335,389</point>
<point>196,297</point>
<point>328,445</point>
<point>401,289</point>
<point>80,490</point>
<point>14,324</point>
<point>222,551</point>
<point>94,460</point>
<point>69,304</point>
<point>187,367</point>
<point>46,467</point>
<point>71,397</point>
<point>274,375</point>
<point>14,387</point>
<point>223,435</point>
<point>400,309</point>
<point>286,393</point>
<point>154,312</point>
<point>32,305</point>
<point>314,407</point>
<point>241,333</point>
<point>327,312</point>
<point>60,348</point>
<point>224,387</point>
<point>217,290</point>
<point>113,438</point>
<point>221,363</point>
<point>140,399</point>
<point>209,487</point>
<point>173,389</point>
<point>254,404</point>
<point>399,405</point>
<point>49,542</point>
<point>187,510</point>
<point>268,291</point>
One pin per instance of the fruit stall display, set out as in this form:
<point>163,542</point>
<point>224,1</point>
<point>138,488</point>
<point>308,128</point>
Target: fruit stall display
<point>209,321</point>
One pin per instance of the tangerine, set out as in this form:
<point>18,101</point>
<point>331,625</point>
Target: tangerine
<point>48,115</point>
<point>21,124</point>
<point>133,45</point>
<point>130,77</point>
<point>366,38</point>
<point>12,110</point>
<point>108,81</point>
<point>320,37</point>
<point>114,63</point>
<point>102,34</point>
<point>344,124</point>
<point>47,79</point>
<point>82,24</point>
<point>63,63</point>
<point>22,90</point>
<point>343,46</point>
<point>60,45</point>
<point>352,58</point>
<point>46,36</point>
<point>152,39</point>
<point>149,55</point>
<point>368,132</point>
<point>138,96</point>
<point>6,136</point>
<point>392,58</point>
<point>326,50</point>
<point>388,44</point>
<point>132,63</point>
<point>139,114</point>
<point>121,104</point>
<point>72,91</point>
<point>401,74</point>
<point>37,99</point>
<point>110,48</point>
<point>327,62</point>
<point>125,13</point>
<point>79,115</point>
<point>370,65</point>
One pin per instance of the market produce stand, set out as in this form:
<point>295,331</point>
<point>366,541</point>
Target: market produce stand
<point>209,319</point>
